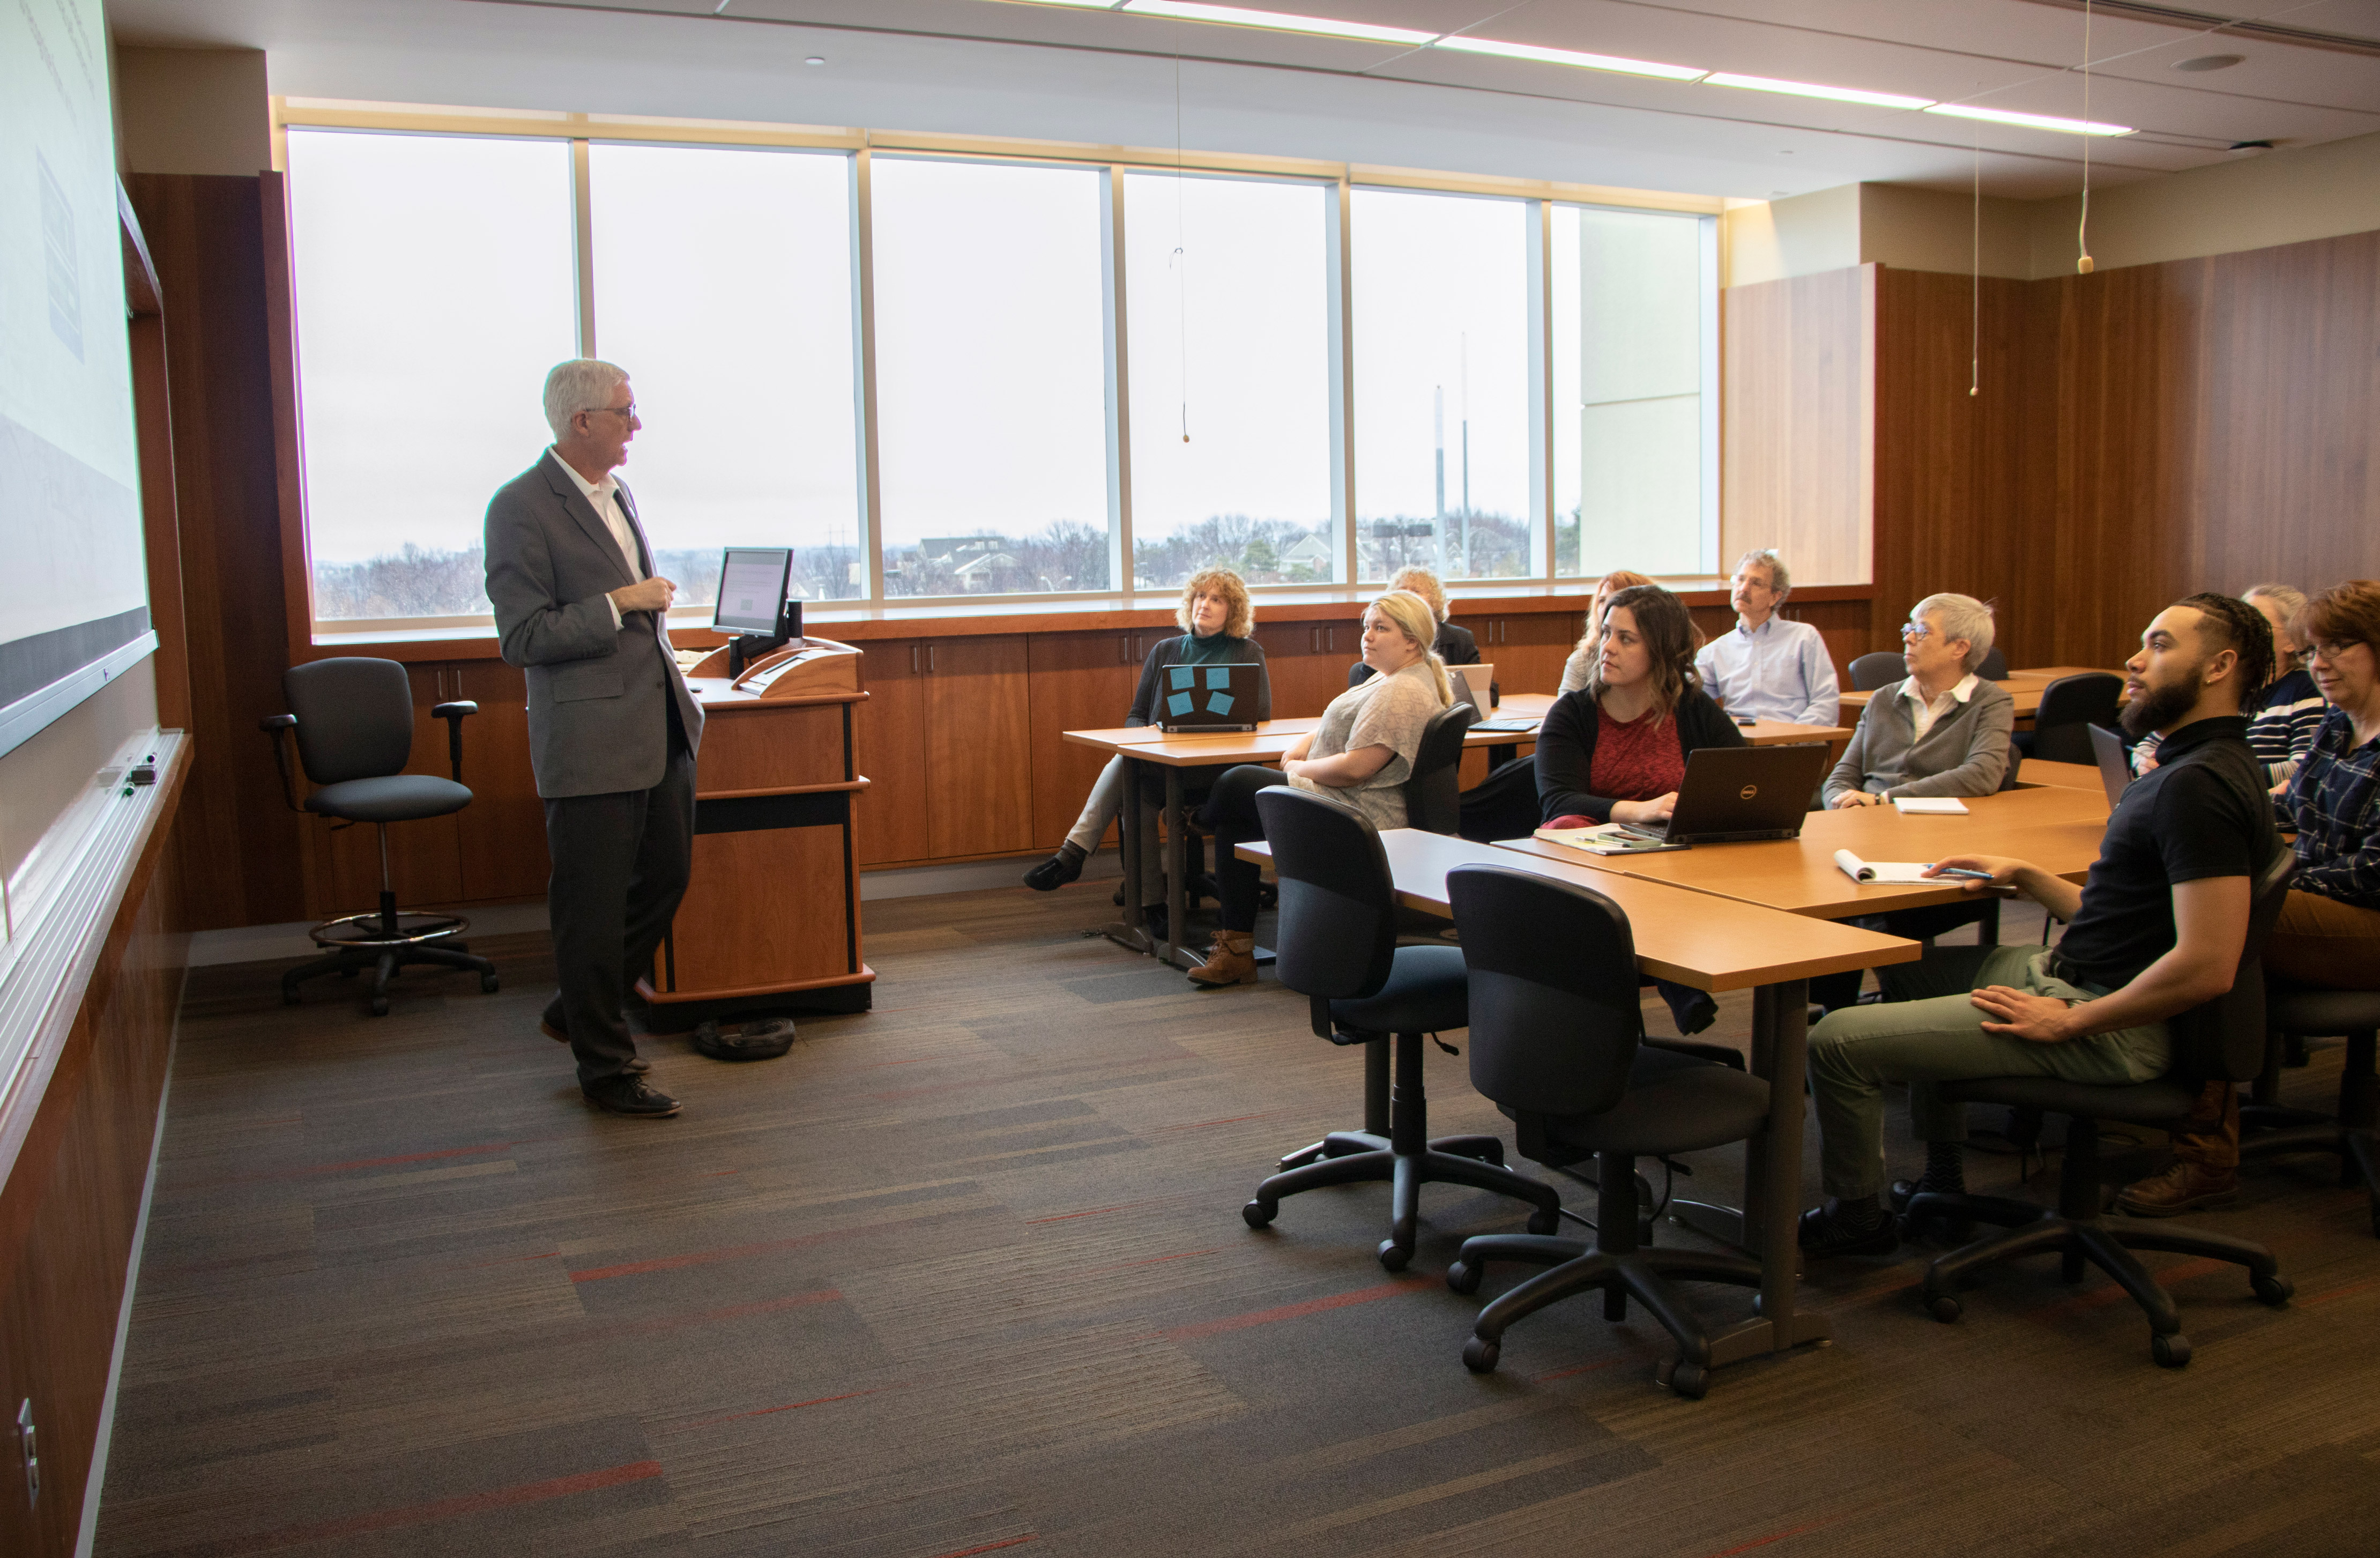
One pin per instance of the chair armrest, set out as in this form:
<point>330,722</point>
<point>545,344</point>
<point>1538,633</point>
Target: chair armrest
<point>275,726</point>
<point>453,714</point>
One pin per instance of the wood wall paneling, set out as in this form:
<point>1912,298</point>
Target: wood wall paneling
<point>1797,383</point>
<point>502,832</point>
<point>978,746</point>
<point>425,857</point>
<point>1078,681</point>
<point>1307,663</point>
<point>888,742</point>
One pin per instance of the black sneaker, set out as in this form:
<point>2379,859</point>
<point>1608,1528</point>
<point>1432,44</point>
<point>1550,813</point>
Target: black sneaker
<point>1055,873</point>
<point>1829,1230</point>
<point>632,1095</point>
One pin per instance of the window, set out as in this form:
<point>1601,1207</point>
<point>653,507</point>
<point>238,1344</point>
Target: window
<point>1441,385</point>
<point>993,431</point>
<point>723,286</point>
<point>1634,363</point>
<point>434,288</point>
<point>1227,304</point>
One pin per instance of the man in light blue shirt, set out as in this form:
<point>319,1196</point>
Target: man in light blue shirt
<point>1765,667</point>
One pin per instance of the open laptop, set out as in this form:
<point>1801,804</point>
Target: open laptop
<point>1199,699</point>
<point>1473,682</point>
<point>2115,762</point>
<point>1732,795</point>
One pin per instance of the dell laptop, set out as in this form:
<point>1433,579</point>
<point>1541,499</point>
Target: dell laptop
<point>1207,700</point>
<point>2115,762</point>
<point>1732,795</point>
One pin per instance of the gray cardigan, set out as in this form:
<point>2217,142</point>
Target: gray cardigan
<point>1965,754</point>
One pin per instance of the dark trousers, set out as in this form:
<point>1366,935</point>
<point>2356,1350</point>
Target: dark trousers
<point>1230,814</point>
<point>620,866</point>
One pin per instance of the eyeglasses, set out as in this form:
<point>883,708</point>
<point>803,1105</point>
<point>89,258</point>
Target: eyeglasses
<point>626,413</point>
<point>1915,630</point>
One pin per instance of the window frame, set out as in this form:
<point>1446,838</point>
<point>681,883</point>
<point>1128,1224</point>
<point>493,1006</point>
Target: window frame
<point>581,130</point>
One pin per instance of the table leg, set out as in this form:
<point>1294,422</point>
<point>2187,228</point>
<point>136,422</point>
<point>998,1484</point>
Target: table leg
<point>1772,1191</point>
<point>1132,931</point>
<point>1177,895</point>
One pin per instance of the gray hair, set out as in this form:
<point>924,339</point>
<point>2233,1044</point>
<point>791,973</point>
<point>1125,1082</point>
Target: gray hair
<point>1959,616</point>
<point>583,383</point>
<point>2289,597</point>
<point>1778,580</point>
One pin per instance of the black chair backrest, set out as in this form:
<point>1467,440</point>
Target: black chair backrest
<point>1337,938</point>
<point>1434,792</point>
<point>2016,761</point>
<point>1555,1020</point>
<point>1358,674</point>
<point>355,717</point>
<point>2224,1040</point>
<point>1883,668</point>
<point>2069,706</point>
<point>1994,668</point>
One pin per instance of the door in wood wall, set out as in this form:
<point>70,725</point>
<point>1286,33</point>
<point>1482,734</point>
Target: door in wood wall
<point>978,746</point>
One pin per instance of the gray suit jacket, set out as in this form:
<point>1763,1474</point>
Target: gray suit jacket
<point>1966,753</point>
<point>598,695</point>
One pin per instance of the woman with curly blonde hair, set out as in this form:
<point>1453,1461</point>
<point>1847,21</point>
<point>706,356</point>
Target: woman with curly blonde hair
<point>1218,621</point>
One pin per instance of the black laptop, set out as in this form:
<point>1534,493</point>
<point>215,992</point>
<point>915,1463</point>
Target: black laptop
<point>1207,700</point>
<point>2115,762</point>
<point>1733,795</point>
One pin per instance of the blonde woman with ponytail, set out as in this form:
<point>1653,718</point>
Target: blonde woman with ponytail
<point>1360,757</point>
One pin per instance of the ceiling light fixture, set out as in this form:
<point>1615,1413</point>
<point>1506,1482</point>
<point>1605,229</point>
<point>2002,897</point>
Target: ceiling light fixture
<point>2208,62</point>
<point>1237,15</point>
<point>1573,58</point>
<point>1808,89</point>
<point>2029,121</point>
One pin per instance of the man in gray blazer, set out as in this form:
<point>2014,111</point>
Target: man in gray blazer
<point>612,730</point>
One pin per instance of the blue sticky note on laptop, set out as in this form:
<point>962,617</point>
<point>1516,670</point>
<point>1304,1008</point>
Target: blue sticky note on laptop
<point>1219,677</point>
<point>1218,703</point>
<point>1178,703</point>
<point>1184,676</point>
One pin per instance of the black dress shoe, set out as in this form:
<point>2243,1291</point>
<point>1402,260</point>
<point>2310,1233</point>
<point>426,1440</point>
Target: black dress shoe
<point>552,1030</point>
<point>631,1095</point>
<point>1056,871</point>
<point>1826,1231</point>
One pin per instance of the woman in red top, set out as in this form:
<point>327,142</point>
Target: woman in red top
<point>1615,749</point>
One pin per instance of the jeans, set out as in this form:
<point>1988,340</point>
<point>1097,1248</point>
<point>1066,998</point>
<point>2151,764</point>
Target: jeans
<point>1927,1030</point>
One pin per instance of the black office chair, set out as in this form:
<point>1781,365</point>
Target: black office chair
<point>353,719</point>
<point>1434,792</point>
<point>1994,668</point>
<point>2224,1038</point>
<point>1336,945</point>
<point>2069,706</point>
<point>2016,765</point>
<point>1556,1041</point>
<point>2268,1130</point>
<point>1883,668</point>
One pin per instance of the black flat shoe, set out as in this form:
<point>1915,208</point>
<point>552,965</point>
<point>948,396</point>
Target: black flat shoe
<point>1825,1231</point>
<point>634,1096</point>
<point>1054,872</point>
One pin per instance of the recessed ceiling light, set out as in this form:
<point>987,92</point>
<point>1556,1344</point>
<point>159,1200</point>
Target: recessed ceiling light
<point>1571,57</point>
<point>1806,89</point>
<point>2029,121</point>
<point>815,59</point>
<point>2209,62</point>
<point>1236,16</point>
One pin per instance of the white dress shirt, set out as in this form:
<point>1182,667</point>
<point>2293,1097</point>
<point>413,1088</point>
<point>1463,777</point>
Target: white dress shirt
<point>604,496</point>
<point>1922,714</point>
<point>1780,671</point>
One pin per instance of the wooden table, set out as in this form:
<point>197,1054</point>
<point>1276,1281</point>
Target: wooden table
<point>2064,776</point>
<point>2055,827</point>
<point>1713,945</point>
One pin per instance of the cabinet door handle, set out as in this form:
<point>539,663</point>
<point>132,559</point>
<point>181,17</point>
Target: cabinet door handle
<point>930,657</point>
<point>915,668</point>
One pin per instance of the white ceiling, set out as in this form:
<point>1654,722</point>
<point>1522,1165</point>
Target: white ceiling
<point>2311,73</point>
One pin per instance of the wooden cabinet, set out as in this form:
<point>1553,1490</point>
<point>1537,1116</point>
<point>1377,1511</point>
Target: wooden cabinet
<point>502,832</point>
<point>1527,651</point>
<point>1307,663</point>
<point>945,741</point>
<point>1079,681</point>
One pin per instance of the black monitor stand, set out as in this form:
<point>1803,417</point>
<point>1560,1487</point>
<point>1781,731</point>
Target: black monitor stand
<point>745,648</point>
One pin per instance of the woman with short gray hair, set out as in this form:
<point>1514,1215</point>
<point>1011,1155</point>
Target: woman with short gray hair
<point>1943,731</point>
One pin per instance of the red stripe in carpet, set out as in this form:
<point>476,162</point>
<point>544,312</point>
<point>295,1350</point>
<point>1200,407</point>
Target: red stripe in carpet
<point>1292,1311</point>
<point>422,1515</point>
<point>1780,1536</point>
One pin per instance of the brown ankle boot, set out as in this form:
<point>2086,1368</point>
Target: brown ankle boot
<point>1232,960</point>
<point>2186,1187</point>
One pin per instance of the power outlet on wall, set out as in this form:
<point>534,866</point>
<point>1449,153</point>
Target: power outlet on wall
<point>28,1450</point>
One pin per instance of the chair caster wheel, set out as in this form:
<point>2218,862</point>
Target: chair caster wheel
<point>2275,1289</point>
<point>1463,1278</point>
<point>380,1006</point>
<point>1394,1256</point>
<point>1259,1214</point>
<point>2170,1352</point>
<point>1479,1354</point>
<point>1690,1379</point>
<point>1546,1222</point>
<point>1945,1308</point>
<point>487,985</point>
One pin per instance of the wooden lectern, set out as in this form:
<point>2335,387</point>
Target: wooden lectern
<point>770,920</point>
